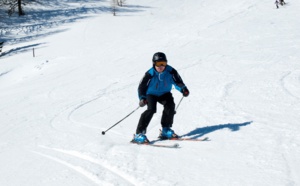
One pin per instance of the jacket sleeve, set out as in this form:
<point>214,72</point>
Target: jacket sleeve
<point>143,86</point>
<point>178,82</point>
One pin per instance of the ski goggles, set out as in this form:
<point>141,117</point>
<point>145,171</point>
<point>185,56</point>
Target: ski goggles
<point>160,63</point>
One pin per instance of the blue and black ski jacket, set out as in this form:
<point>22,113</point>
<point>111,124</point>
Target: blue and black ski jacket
<point>155,83</point>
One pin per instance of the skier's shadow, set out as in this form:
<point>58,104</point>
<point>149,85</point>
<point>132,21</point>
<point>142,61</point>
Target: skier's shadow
<point>198,132</point>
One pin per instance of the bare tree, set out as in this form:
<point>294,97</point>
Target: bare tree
<point>1,45</point>
<point>13,5</point>
<point>121,2</point>
<point>114,4</point>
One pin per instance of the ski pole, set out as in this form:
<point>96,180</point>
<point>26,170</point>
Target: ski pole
<point>179,104</point>
<point>103,132</point>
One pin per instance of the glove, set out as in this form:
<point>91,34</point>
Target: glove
<point>185,92</point>
<point>143,102</point>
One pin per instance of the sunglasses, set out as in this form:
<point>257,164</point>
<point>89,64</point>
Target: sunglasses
<point>160,63</point>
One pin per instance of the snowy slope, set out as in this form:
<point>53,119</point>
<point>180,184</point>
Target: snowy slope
<point>239,59</point>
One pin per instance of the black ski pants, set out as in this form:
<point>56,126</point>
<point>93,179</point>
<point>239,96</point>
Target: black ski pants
<point>167,101</point>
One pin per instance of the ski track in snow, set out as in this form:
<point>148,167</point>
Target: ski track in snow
<point>127,179</point>
<point>67,115</point>
<point>290,83</point>
<point>85,173</point>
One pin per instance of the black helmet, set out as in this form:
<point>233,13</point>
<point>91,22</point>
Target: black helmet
<point>159,56</point>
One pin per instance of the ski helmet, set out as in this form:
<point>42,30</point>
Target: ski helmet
<point>159,56</point>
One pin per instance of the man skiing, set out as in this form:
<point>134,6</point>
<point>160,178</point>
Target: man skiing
<point>276,3</point>
<point>281,2</point>
<point>155,87</point>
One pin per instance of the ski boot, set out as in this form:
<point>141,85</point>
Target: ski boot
<point>167,133</point>
<point>140,138</point>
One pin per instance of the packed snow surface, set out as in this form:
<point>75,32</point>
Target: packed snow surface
<point>240,60</point>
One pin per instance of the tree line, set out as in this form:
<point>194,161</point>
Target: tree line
<point>17,5</point>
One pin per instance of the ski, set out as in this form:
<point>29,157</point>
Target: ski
<point>190,139</point>
<point>175,145</point>
<point>182,139</point>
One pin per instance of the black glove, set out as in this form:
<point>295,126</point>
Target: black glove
<point>143,102</point>
<point>185,92</point>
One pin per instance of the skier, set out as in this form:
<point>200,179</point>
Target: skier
<point>281,2</point>
<point>155,87</point>
<point>276,3</point>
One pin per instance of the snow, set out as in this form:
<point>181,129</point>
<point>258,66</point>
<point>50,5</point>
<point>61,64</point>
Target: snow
<point>239,59</point>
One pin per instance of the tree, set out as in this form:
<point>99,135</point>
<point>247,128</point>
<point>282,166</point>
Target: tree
<point>121,2</point>
<point>13,4</point>
<point>114,6</point>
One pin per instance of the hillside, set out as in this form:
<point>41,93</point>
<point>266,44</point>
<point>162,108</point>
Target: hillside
<point>239,59</point>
